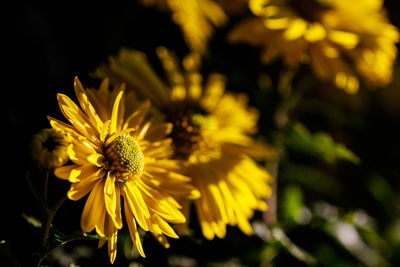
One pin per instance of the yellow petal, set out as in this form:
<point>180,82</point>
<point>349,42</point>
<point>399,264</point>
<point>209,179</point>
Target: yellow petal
<point>80,189</point>
<point>100,223</point>
<point>230,202</point>
<point>112,200</point>
<point>137,117</point>
<point>204,221</point>
<point>81,123</point>
<point>352,85</point>
<point>162,203</point>
<point>105,131</point>
<point>159,150</point>
<point>112,233</point>
<point>296,29</point>
<point>115,112</point>
<point>96,159</point>
<point>86,105</point>
<point>136,204</point>
<point>218,200</point>
<point>64,172</point>
<point>143,130</point>
<point>341,79</point>
<point>56,124</point>
<point>346,39</point>
<point>214,90</point>
<point>315,32</point>
<point>158,132</point>
<point>277,24</point>
<point>79,173</point>
<point>244,225</point>
<point>93,210</point>
<point>133,231</point>
<point>165,227</point>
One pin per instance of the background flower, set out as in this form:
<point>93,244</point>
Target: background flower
<point>49,148</point>
<point>340,42</point>
<point>197,19</point>
<point>211,134</point>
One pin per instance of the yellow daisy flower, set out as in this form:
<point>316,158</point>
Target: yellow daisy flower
<point>211,135</point>
<point>341,40</point>
<point>197,19</point>
<point>116,156</point>
<point>49,148</point>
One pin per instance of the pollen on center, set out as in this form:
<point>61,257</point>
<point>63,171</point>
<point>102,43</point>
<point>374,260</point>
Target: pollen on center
<point>125,157</point>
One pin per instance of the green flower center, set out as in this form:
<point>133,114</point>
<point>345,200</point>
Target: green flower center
<point>125,157</point>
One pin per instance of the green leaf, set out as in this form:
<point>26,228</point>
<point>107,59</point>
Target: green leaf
<point>35,222</point>
<point>61,238</point>
<point>312,178</point>
<point>292,204</point>
<point>319,145</point>
<point>279,235</point>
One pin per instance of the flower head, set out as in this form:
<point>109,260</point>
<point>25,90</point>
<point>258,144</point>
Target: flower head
<point>341,40</point>
<point>210,134</point>
<point>49,148</point>
<point>197,19</point>
<point>116,156</point>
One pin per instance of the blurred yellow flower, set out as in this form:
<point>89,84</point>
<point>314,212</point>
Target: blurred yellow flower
<point>114,155</point>
<point>341,40</point>
<point>211,135</point>
<point>197,19</point>
<point>49,148</point>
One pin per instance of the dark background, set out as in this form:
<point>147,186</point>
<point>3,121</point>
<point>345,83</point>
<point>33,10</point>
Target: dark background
<point>47,44</point>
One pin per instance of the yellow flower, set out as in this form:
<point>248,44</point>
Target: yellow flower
<point>116,156</point>
<point>197,19</point>
<point>49,148</point>
<point>210,134</point>
<point>341,40</point>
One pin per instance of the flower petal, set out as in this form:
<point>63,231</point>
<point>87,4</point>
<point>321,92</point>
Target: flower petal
<point>136,118</point>
<point>87,106</point>
<point>80,189</point>
<point>112,200</point>
<point>93,210</point>
<point>159,132</point>
<point>136,204</point>
<point>75,173</point>
<point>112,234</point>
<point>133,231</point>
<point>115,112</point>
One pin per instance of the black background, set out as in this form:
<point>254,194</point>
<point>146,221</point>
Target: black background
<point>47,44</point>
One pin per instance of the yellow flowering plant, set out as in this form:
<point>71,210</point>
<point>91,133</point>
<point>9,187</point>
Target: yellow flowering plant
<point>197,19</point>
<point>215,136</point>
<point>341,40</point>
<point>210,135</point>
<point>116,156</point>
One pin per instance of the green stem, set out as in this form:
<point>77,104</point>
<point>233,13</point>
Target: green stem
<point>81,236</point>
<point>49,218</point>
<point>270,216</point>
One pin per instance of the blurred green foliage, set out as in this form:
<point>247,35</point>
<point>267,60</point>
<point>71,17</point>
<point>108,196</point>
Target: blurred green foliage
<point>319,145</point>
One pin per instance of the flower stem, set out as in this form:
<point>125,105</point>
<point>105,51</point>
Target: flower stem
<point>270,216</point>
<point>50,213</point>
<point>49,218</point>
